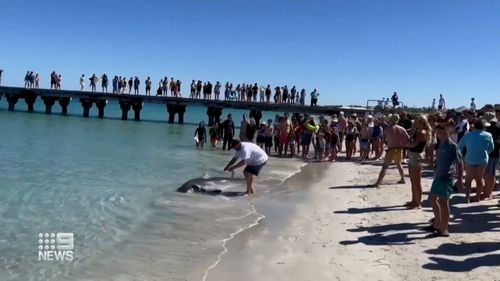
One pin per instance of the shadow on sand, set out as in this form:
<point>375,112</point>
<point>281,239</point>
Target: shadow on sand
<point>375,209</point>
<point>352,186</point>
<point>468,219</point>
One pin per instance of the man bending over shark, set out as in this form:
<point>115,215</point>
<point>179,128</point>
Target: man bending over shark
<point>252,157</point>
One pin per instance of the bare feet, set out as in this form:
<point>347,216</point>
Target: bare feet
<point>475,199</point>
<point>486,197</point>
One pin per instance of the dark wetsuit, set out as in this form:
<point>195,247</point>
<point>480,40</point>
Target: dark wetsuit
<point>228,127</point>
<point>201,133</point>
<point>250,131</point>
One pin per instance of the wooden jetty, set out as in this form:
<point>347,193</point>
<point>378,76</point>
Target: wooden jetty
<point>174,105</point>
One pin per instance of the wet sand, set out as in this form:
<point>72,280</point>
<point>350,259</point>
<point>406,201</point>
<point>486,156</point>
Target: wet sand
<point>327,225</point>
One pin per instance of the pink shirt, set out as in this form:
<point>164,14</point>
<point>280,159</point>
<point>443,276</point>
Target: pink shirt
<point>342,124</point>
<point>396,136</point>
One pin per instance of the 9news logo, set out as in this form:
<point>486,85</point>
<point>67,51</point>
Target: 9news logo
<point>55,246</point>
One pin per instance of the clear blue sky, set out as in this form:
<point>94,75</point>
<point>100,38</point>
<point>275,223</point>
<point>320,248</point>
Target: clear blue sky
<point>350,51</point>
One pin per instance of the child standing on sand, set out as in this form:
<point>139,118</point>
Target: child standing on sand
<point>447,156</point>
<point>334,141</point>
<point>320,146</point>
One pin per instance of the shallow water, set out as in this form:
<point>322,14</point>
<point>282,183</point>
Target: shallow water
<point>112,183</point>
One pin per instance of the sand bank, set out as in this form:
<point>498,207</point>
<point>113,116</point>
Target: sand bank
<point>338,229</point>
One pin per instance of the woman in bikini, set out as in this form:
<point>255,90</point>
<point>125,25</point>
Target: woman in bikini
<point>420,137</point>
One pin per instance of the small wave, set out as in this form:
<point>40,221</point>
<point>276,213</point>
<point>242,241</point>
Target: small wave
<point>231,236</point>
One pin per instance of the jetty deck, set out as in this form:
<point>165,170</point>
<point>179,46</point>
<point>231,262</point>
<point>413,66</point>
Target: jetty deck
<point>175,105</point>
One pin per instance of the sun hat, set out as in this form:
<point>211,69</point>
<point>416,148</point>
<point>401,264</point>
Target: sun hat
<point>489,117</point>
<point>394,118</point>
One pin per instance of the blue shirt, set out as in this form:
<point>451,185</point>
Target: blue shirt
<point>447,156</point>
<point>479,144</point>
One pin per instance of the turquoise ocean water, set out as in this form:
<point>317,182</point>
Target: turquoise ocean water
<point>112,184</point>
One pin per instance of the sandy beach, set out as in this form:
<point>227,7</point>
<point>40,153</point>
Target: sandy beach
<point>330,226</point>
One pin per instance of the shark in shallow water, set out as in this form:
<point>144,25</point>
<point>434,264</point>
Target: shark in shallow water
<point>209,186</point>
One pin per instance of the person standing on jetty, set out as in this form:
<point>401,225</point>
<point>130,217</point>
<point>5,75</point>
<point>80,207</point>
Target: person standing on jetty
<point>58,82</point>
<point>441,103</point>
<point>1,72</point>
<point>130,84</point>
<point>252,157</point>
<point>472,105</point>
<point>148,86</point>
<point>104,83</point>
<point>193,90</point>
<point>115,84</point>
<point>397,138</point>
<point>268,93</point>
<point>53,80</point>
<point>93,82</point>
<point>314,98</point>
<point>447,157</point>
<point>137,82</point>
<point>27,79</point>
<point>217,87</point>
<point>228,129</point>
<point>164,86</point>
<point>395,100</point>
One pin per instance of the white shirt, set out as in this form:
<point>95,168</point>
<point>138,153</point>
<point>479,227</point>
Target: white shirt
<point>441,102</point>
<point>251,153</point>
<point>463,126</point>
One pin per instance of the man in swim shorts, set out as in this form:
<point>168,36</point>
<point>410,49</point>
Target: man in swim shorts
<point>397,138</point>
<point>285,126</point>
<point>252,157</point>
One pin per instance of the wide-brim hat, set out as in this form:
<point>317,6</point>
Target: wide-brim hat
<point>394,118</point>
<point>488,118</point>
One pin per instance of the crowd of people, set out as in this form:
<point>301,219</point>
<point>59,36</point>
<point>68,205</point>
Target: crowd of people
<point>198,89</point>
<point>31,80</point>
<point>463,146</point>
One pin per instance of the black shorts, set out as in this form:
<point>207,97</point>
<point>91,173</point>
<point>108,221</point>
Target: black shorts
<point>254,170</point>
<point>269,141</point>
